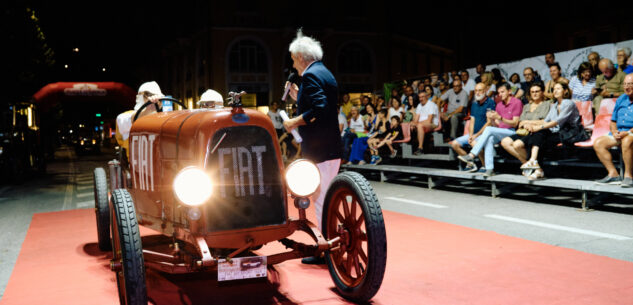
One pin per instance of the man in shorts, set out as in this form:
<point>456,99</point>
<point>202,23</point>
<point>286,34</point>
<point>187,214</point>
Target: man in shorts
<point>621,135</point>
<point>478,121</point>
<point>426,119</point>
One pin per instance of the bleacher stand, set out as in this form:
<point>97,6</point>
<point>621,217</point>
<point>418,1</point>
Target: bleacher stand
<point>595,117</point>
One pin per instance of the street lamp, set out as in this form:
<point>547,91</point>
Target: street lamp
<point>65,66</point>
<point>76,50</point>
<point>103,69</point>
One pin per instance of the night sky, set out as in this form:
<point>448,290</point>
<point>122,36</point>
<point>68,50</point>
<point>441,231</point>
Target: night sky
<point>117,35</point>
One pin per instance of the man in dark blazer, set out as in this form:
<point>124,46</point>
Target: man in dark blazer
<point>318,118</point>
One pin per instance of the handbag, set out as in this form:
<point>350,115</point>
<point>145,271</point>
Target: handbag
<point>522,132</point>
<point>571,134</point>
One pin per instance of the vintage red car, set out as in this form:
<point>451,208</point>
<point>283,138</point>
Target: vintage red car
<point>212,181</point>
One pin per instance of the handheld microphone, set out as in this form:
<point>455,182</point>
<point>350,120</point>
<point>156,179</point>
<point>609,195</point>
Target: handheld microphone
<point>292,78</point>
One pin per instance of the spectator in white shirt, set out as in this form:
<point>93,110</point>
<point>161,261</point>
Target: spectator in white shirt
<point>396,109</point>
<point>342,122</point>
<point>426,119</point>
<point>457,100</point>
<point>469,84</point>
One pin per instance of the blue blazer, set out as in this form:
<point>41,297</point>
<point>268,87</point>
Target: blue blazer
<point>317,101</point>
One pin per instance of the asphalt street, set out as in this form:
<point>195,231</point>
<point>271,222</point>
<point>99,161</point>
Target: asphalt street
<point>541,215</point>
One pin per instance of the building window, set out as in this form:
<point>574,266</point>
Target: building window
<point>248,56</point>
<point>354,58</point>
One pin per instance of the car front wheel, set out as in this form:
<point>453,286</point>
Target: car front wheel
<point>127,251</point>
<point>353,214</point>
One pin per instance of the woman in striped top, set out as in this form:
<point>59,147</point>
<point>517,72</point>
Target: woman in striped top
<point>582,83</point>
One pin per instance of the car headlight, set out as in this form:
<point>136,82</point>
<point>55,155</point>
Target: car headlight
<point>303,178</point>
<point>193,186</point>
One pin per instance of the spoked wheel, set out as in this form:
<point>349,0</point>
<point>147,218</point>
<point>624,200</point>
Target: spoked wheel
<point>353,213</point>
<point>102,209</point>
<point>127,251</point>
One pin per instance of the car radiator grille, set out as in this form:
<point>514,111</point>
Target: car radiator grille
<point>248,186</point>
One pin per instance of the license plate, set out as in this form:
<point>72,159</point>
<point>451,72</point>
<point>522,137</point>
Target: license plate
<point>242,268</point>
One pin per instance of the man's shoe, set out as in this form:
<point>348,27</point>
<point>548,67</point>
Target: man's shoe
<point>489,173</point>
<point>378,159</point>
<point>627,182</point>
<point>311,260</point>
<point>361,162</point>
<point>609,180</point>
<point>418,152</point>
<point>469,169</point>
<point>467,158</point>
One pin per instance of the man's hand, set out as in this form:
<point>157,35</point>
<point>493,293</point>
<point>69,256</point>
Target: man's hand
<point>293,90</point>
<point>155,98</point>
<point>605,93</point>
<point>620,134</point>
<point>290,124</point>
<point>471,139</point>
<point>294,123</point>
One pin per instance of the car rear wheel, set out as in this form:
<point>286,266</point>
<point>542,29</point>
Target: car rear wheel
<point>352,212</point>
<point>127,251</point>
<point>102,209</point>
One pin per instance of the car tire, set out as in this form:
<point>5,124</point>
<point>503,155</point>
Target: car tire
<point>352,212</point>
<point>127,250</point>
<point>102,209</point>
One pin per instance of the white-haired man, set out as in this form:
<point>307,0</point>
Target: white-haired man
<point>317,118</point>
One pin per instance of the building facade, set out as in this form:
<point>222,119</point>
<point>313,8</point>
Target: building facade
<point>234,52</point>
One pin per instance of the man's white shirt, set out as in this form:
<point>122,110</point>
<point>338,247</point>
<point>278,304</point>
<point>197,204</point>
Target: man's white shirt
<point>430,108</point>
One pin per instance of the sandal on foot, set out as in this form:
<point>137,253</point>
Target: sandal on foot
<point>537,175</point>
<point>531,164</point>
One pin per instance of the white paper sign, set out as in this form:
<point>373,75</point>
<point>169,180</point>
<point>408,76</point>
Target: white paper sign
<point>242,268</point>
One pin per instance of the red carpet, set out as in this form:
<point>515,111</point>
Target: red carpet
<point>429,262</point>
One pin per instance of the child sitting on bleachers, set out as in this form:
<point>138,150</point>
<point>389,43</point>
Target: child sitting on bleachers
<point>393,134</point>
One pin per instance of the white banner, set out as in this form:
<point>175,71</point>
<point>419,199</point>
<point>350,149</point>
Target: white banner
<point>568,60</point>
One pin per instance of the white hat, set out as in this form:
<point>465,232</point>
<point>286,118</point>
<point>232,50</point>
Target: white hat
<point>151,87</point>
<point>211,96</point>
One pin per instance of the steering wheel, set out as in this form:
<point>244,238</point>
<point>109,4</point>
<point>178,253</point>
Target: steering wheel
<point>158,109</point>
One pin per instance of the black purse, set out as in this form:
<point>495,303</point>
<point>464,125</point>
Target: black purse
<point>570,134</point>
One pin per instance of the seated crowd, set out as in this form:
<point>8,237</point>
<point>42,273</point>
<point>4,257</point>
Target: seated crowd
<point>527,119</point>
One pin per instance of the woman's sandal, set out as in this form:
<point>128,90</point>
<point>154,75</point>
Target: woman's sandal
<point>537,174</point>
<point>531,164</point>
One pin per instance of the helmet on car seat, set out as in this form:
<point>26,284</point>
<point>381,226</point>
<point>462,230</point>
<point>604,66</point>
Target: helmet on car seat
<point>211,97</point>
<point>151,87</point>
